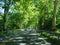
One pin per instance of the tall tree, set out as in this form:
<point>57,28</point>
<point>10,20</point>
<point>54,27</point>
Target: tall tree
<point>4,18</point>
<point>44,13</point>
<point>6,9</point>
<point>54,15</point>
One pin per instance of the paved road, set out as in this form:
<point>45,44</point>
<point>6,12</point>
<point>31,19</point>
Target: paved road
<point>29,39</point>
<point>19,39</point>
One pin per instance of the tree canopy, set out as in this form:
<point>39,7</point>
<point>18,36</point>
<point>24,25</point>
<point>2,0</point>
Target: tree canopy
<point>38,14</point>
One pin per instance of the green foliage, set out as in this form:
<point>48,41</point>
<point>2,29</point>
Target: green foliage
<point>30,13</point>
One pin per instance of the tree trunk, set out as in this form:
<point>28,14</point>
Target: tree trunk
<point>54,15</point>
<point>4,18</point>
<point>44,14</point>
<point>6,8</point>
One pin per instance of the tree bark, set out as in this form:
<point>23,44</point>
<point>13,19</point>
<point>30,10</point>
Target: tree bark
<point>6,9</point>
<point>54,15</point>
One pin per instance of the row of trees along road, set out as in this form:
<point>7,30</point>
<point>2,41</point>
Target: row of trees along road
<point>30,13</point>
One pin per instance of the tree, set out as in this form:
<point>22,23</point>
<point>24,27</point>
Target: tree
<point>44,14</point>
<point>54,15</point>
<point>6,9</point>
